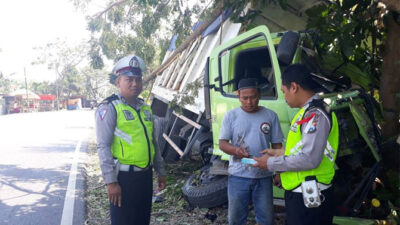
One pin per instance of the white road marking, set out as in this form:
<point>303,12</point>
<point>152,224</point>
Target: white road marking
<point>68,210</point>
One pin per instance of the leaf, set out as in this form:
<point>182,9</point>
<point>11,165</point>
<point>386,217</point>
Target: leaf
<point>349,4</point>
<point>347,47</point>
<point>160,219</point>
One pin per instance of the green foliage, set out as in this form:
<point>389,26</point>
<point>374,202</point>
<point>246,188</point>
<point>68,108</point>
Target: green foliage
<point>351,32</point>
<point>145,95</point>
<point>164,44</point>
<point>95,24</point>
<point>134,26</point>
<point>187,96</point>
<point>96,61</point>
<point>6,83</point>
<point>43,88</point>
<point>71,79</point>
<point>237,7</point>
<point>63,60</point>
<point>183,26</point>
<point>95,83</point>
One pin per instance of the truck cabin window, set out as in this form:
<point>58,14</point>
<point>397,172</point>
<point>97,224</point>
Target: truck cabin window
<point>248,60</point>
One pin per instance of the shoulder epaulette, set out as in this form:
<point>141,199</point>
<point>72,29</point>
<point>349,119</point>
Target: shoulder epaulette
<point>109,99</point>
<point>320,104</point>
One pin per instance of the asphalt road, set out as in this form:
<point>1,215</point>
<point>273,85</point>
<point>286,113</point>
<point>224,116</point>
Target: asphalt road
<point>41,159</point>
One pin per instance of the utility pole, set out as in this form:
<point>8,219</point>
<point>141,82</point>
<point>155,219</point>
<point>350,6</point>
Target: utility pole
<point>57,94</point>
<point>26,89</point>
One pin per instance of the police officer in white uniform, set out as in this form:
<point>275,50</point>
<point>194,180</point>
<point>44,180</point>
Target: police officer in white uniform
<point>126,148</point>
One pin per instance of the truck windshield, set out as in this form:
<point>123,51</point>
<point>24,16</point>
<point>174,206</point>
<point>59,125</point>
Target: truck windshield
<point>248,60</point>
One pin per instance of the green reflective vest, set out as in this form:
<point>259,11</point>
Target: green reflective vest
<point>325,171</point>
<point>133,140</point>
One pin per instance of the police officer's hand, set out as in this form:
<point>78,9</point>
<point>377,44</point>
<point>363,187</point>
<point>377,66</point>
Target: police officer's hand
<point>161,183</point>
<point>261,162</point>
<point>241,152</point>
<point>114,193</point>
<point>273,152</point>
<point>277,180</point>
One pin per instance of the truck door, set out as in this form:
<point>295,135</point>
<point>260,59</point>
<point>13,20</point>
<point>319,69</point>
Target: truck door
<point>251,54</point>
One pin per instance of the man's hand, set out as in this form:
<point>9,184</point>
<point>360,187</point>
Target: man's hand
<point>162,183</point>
<point>261,162</point>
<point>241,153</point>
<point>277,180</point>
<point>114,194</point>
<point>273,152</point>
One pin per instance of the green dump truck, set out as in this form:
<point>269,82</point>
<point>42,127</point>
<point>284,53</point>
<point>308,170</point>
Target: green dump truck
<point>219,60</point>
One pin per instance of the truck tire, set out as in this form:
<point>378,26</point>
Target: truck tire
<point>205,190</point>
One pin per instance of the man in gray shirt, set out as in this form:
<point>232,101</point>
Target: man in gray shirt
<point>250,129</point>
<point>124,129</point>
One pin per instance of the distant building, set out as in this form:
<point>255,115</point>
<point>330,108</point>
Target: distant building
<point>47,102</point>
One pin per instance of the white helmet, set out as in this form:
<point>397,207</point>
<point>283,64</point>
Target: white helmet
<point>130,65</point>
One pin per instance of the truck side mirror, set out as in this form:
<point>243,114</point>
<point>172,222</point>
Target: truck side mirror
<point>287,47</point>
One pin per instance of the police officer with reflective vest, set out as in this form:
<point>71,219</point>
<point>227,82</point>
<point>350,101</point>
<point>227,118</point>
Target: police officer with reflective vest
<point>125,145</point>
<point>307,163</point>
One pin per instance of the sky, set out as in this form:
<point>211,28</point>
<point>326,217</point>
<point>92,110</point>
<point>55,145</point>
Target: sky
<point>26,24</point>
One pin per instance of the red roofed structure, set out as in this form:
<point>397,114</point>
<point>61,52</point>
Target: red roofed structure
<point>47,102</point>
<point>48,97</point>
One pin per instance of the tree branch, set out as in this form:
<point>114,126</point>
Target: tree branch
<point>217,11</point>
<point>109,7</point>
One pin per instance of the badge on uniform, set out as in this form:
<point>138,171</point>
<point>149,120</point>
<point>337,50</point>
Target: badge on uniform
<point>265,128</point>
<point>128,115</point>
<point>312,125</point>
<point>147,115</point>
<point>311,129</point>
<point>102,113</point>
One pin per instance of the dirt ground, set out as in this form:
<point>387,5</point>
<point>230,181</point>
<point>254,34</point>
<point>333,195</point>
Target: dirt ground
<point>171,210</point>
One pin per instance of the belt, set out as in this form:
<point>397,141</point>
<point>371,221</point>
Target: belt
<point>127,168</point>
<point>321,187</point>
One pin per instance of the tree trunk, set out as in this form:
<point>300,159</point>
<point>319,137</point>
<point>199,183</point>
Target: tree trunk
<point>393,5</point>
<point>390,80</point>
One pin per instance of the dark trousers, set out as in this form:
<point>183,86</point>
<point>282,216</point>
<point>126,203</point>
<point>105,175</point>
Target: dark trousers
<point>137,191</point>
<point>298,214</point>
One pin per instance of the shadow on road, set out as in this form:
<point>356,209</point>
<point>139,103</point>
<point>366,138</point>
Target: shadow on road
<point>33,196</point>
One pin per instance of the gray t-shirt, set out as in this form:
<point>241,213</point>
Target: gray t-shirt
<point>254,131</point>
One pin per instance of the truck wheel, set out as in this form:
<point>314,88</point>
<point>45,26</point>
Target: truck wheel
<point>205,190</point>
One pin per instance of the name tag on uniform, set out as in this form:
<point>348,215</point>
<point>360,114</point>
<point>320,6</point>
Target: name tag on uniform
<point>295,124</point>
<point>147,115</point>
<point>128,115</point>
<point>294,127</point>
